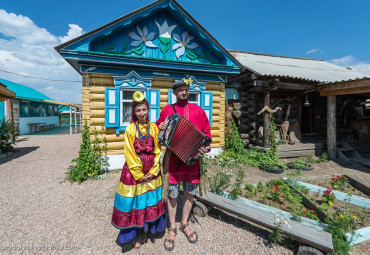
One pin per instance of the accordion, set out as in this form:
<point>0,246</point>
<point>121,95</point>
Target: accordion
<point>183,139</point>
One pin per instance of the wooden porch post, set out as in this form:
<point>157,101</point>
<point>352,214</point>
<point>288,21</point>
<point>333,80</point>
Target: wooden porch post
<point>70,120</point>
<point>331,128</point>
<point>266,120</point>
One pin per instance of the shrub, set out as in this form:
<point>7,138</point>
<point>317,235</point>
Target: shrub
<point>6,131</point>
<point>90,162</point>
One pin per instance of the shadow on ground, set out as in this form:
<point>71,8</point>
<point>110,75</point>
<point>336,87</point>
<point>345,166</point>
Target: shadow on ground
<point>19,152</point>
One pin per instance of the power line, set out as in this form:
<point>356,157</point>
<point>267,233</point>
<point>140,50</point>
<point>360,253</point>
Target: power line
<point>33,77</point>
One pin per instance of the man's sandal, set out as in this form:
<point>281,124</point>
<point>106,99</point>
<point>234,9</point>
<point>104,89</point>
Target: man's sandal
<point>170,241</point>
<point>189,237</point>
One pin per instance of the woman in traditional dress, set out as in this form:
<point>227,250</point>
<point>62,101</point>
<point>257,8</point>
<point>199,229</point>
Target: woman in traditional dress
<point>138,206</point>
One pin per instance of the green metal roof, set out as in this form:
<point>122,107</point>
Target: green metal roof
<point>24,92</point>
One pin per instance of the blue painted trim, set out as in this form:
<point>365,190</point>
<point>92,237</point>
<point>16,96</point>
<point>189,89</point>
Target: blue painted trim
<point>359,235</point>
<point>145,74</point>
<point>139,202</point>
<point>313,223</point>
<point>86,59</point>
<point>356,200</point>
<point>132,80</point>
<point>2,110</point>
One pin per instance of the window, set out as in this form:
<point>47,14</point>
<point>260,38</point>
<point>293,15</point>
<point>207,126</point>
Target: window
<point>125,109</point>
<point>118,106</point>
<point>194,97</point>
<point>203,99</point>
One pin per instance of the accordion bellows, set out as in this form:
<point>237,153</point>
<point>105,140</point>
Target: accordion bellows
<point>183,139</point>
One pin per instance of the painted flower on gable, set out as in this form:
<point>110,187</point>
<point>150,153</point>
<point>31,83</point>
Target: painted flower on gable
<point>183,44</point>
<point>143,37</point>
<point>165,32</point>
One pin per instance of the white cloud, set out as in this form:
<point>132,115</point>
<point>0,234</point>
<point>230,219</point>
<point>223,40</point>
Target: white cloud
<point>28,49</point>
<point>311,51</point>
<point>353,63</point>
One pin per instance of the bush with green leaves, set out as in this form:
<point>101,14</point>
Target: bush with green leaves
<point>220,181</point>
<point>6,131</point>
<point>91,161</point>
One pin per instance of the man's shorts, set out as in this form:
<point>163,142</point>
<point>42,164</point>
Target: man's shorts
<point>173,189</point>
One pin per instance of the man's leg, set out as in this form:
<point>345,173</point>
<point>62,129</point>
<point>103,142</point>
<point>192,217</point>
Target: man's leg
<point>187,204</point>
<point>172,207</point>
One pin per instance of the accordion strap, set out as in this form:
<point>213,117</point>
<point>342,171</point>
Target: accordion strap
<point>174,109</point>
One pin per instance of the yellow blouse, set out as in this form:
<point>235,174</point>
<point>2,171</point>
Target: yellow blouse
<point>133,160</point>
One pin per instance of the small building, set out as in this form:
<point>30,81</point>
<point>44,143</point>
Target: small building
<point>30,108</point>
<point>148,50</point>
<point>6,97</point>
<point>291,85</point>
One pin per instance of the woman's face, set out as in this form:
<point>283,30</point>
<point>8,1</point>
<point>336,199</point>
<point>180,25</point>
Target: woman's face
<point>141,112</point>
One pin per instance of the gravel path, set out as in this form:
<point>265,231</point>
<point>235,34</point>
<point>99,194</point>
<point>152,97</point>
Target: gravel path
<point>42,214</point>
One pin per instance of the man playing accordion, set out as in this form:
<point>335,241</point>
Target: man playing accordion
<point>177,170</point>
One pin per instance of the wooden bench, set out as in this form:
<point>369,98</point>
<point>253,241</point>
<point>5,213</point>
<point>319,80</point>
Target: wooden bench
<point>304,234</point>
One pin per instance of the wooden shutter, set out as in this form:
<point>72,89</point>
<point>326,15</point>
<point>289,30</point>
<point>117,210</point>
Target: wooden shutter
<point>206,103</point>
<point>153,97</point>
<point>112,107</point>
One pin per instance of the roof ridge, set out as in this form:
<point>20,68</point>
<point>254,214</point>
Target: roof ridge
<point>271,55</point>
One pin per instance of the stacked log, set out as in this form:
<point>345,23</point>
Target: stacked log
<point>247,120</point>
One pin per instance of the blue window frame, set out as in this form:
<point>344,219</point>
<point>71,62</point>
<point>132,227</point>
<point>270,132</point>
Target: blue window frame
<point>118,106</point>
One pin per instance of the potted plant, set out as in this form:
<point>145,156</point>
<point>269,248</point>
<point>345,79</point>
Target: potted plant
<point>299,164</point>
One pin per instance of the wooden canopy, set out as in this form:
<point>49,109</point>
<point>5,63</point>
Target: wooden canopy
<point>345,87</point>
<point>6,93</point>
<point>332,90</point>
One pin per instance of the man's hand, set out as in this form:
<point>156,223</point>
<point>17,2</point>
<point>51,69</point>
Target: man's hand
<point>204,150</point>
<point>162,126</point>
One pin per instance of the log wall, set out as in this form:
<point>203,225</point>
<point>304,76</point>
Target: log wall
<point>93,109</point>
<point>247,120</point>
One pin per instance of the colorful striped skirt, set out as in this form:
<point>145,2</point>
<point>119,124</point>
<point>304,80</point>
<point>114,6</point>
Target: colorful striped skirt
<point>138,207</point>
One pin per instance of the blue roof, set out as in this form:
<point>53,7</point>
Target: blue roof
<point>24,92</point>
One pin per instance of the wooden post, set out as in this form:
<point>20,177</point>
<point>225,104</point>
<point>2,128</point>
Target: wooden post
<point>75,109</point>
<point>266,120</point>
<point>70,120</point>
<point>331,128</point>
<point>80,119</point>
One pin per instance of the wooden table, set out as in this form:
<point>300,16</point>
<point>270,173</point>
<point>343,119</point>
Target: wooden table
<point>35,125</point>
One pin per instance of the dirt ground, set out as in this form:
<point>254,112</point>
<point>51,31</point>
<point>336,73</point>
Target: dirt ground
<point>323,170</point>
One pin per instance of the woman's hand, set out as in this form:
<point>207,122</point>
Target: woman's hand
<point>149,177</point>
<point>146,178</point>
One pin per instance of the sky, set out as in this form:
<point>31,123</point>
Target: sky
<point>336,31</point>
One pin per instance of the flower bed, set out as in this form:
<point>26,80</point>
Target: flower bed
<point>341,216</point>
<point>340,183</point>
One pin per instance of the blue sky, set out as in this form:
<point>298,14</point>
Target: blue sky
<point>337,31</point>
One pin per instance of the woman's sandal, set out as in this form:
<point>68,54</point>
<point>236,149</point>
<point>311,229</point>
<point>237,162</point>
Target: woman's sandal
<point>182,229</point>
<point>139,240</point>
<point>170,241</point>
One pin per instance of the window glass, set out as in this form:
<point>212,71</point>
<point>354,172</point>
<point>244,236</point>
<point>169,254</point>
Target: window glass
<point>194,98</point>
<point>126,99</point>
